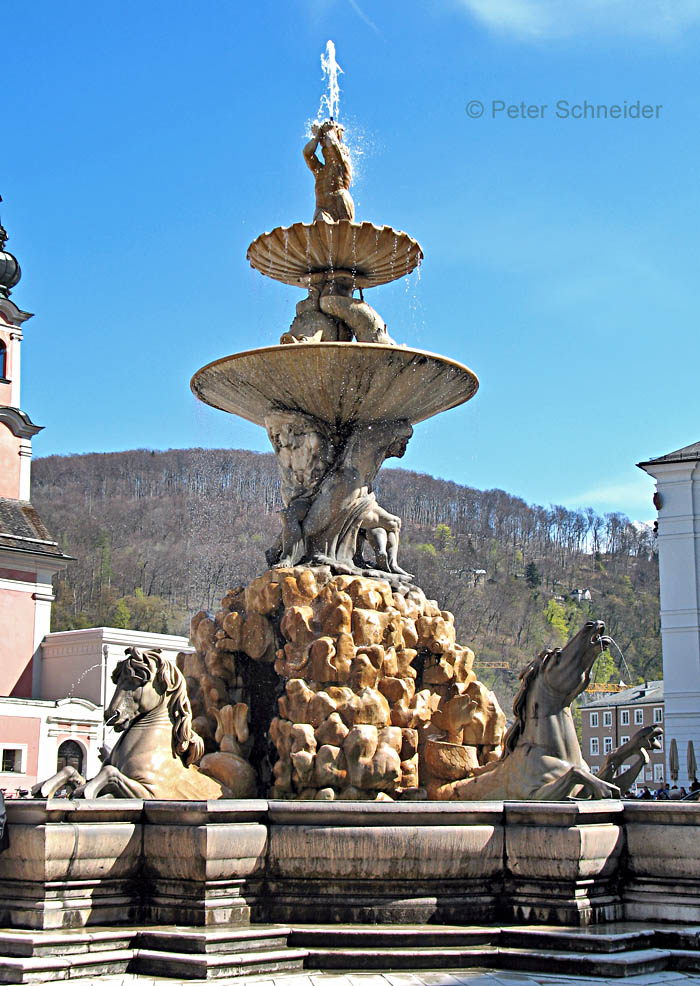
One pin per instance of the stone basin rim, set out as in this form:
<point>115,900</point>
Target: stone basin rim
<point>366,265</point>
<point>361,350</point>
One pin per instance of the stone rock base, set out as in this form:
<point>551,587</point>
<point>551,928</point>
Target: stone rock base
<point>357,690</point>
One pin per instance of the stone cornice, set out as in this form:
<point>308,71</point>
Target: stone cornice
<point>14,314</point>
<point>91,637</point>
<point>19,422</point>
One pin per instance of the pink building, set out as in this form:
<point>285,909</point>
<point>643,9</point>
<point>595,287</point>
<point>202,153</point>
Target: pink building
<point>35,735</point>
<point>29,557</point>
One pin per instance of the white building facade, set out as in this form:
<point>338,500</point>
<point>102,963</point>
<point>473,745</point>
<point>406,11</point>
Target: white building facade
<point>677,500</point>
<point>39,737</point>
<point>81,662</point>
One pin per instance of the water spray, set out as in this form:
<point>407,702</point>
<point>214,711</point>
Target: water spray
<point>331,71</point>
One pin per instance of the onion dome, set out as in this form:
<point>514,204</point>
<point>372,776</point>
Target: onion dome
<point>10,271</point>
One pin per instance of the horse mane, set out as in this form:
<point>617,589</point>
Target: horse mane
<point>527,677</point>
<point>149,665</point>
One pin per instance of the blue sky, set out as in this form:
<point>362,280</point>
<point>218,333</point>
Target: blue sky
<point>146,144</point>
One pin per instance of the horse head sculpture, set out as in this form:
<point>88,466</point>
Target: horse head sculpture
<point>144,679</point>
<point>551,682</point>
<point>157,751</point>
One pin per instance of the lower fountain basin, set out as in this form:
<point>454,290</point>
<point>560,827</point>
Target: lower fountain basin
<point>72,864</point>
<point>337,382</point>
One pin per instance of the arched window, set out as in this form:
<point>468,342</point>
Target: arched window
<point>3,360</point>
<point>70,754</point>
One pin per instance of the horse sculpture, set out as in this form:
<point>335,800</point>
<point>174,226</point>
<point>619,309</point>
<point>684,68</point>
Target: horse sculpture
<point>157,750</point>
<point>542,758</point>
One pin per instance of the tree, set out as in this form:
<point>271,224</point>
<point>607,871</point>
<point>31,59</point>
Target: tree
<point>443,537</point>
<point>120,615</point>
<point>532,575</point>
<point>555,615</point>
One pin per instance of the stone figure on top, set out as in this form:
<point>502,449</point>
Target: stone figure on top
<point>333,175</point>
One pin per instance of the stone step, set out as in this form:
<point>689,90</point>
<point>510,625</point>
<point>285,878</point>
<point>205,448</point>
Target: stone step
<point>577,939</point>
<point>53,968</point>
<point>211,940</point>
<point>188,965</point>
<point>20,943</point>
<point>616,964</point>
<point>390,936</point>
<point>636,962</point>
<point>446,957</point>
<point>684,960</point>
<point>675,936</point>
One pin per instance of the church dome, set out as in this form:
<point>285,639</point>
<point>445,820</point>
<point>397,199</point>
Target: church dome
<point>10,271</point>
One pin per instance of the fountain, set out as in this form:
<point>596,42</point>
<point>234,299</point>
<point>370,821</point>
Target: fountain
<point>335,691</point>
<point>359,667</point>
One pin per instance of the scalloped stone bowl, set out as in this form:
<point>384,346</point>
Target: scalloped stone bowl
<point>367,254</point>
<point>336,382</point>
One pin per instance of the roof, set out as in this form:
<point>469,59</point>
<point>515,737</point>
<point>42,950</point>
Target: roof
<point>685,454</point>
<point>651,692</point>
<point>21,529</point>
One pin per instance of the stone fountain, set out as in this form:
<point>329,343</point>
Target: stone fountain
<point>357,686</point>
<point>333,689</point>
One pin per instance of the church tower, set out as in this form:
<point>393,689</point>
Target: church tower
<point>29,557</point>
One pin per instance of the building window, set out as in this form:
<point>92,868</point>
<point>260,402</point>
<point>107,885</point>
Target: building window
<point>659,772</point>
<point>661,743</point>
<point>70,755</point>
<point>3,361</point>
<point>658,715</point>
<point>594,719</point>
<point>607,744</point>
<point>624,739</point>
<point>12,760</point>
<point>647,773</point>
<point>639,717</point>
<point>625,717</point>
<point>595,747</point>
<point>607,718</point>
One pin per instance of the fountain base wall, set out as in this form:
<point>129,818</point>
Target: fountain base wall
<point>72,864</point>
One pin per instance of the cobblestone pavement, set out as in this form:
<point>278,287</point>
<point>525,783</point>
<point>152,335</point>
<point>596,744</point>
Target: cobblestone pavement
<point>460,977</point>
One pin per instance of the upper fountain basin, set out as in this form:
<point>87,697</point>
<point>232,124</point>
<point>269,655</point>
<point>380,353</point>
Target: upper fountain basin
<point>337,382</point>
<point>363,253</point>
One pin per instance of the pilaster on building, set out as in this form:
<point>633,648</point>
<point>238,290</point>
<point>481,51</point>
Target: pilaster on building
<point>677,500</point>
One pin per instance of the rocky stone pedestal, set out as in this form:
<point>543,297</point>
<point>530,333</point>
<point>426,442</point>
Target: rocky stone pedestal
<point>357,688</point>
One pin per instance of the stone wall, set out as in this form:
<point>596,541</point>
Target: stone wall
<point>70,864</point>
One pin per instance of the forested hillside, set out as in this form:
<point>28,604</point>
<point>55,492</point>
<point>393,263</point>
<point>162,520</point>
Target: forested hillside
<point>158,536</point>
